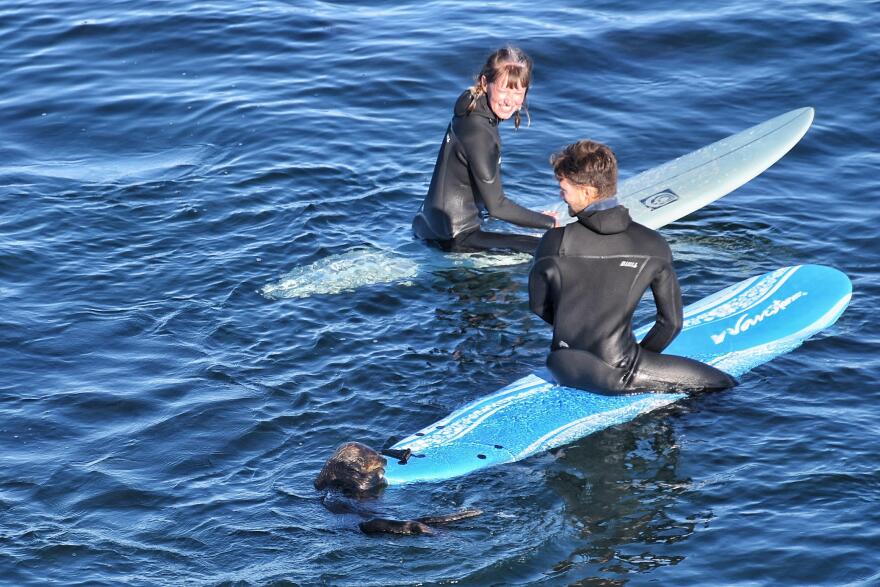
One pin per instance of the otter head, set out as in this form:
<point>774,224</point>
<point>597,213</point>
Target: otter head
<point>354,469</point>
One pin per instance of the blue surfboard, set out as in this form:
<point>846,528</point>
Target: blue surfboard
<point>736,329</point>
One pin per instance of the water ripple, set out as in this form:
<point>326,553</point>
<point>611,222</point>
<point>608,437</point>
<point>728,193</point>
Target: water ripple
<point>195,196</point>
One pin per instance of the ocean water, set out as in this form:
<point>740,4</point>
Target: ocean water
<point>163,414</point>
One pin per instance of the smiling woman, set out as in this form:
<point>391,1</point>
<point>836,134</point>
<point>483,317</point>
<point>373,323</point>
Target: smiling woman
<point>505,80</point>
<point>467,175</point>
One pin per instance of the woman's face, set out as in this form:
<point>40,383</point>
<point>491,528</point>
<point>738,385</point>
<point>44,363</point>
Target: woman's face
<point>503,101</point>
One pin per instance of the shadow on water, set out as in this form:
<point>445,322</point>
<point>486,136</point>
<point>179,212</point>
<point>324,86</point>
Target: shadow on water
<point>621,488</point>
<point>611,506</point>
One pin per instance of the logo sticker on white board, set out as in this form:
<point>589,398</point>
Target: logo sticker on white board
<point>659,199</point>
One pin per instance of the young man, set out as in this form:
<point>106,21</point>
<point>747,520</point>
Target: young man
<point>587,279</point>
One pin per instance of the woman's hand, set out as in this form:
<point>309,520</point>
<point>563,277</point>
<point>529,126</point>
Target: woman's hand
<point>555,215</point>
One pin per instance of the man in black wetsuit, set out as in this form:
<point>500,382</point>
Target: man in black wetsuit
<point>587,279</point>
<point>467,175</point>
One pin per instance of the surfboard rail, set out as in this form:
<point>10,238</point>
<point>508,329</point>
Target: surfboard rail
<point>735,329</point>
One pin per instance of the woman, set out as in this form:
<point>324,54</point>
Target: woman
<point>467,175</point>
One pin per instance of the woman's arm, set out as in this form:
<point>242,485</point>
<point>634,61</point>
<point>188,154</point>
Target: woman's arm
<point>484,156</point>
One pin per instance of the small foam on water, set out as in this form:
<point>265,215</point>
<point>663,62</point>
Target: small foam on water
<point>348,271</point>
<point>344,272</point>
<point>488,260</point>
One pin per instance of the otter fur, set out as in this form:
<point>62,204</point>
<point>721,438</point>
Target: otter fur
<point>354,469</point>
<point>358,471</point>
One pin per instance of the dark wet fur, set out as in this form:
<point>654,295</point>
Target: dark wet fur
<point>356,470</point>
<point>414,527</point>
<point>450,518</point>
<point>387,526</point>
<point>338,503</point>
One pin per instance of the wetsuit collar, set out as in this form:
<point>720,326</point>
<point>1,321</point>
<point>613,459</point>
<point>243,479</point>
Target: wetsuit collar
<point>605,217</point>
<point>480,109</point>
<point>605,204</point>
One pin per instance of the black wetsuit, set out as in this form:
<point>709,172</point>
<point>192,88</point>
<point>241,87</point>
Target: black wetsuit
<point>586,280</point>
<point>466,181</point>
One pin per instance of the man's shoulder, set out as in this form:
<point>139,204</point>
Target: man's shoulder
<point>654,242</point>
<point>550,243</point>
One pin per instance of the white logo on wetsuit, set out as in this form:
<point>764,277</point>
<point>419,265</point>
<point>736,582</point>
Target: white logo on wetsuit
<point>632,264</point>
<point>744,322</point>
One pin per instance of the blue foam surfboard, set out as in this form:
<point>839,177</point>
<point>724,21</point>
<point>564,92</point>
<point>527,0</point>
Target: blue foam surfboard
<point>736,329</point>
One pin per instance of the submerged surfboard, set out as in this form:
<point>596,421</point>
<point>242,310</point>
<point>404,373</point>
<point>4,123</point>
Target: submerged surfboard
<point>736,329</point>
<point>655,198</point>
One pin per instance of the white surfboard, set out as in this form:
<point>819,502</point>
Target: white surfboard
<point>655,198</point>
<point>673,190</point>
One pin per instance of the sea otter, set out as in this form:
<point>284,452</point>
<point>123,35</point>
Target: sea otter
<point>358,471</point>
<point>355,469</point>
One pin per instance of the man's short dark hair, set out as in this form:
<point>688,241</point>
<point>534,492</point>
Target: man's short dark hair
<point>587,163</point>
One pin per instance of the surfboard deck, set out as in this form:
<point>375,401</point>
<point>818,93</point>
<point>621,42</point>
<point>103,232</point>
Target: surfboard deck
<point>735,329</point>
<point>670,191</point>
<point>655,198</point>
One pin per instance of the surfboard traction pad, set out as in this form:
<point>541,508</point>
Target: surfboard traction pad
<point>735,329</point>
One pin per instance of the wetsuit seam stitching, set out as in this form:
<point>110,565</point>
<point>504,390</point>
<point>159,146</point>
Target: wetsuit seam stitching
<point>561,254</point>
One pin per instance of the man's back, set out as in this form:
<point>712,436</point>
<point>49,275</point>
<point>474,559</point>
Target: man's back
<point>588,278</point>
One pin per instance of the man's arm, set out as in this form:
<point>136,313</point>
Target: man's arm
<point>669,319</point>
<point>544,279</point>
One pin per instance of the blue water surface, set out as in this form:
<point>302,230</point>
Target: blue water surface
<point>162,419</point>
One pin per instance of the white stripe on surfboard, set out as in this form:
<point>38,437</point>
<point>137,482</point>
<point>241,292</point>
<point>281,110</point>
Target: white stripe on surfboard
<point>579,428</point>
<point>467,421</point>
<point>772,282</point>
<point>711,310</point>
